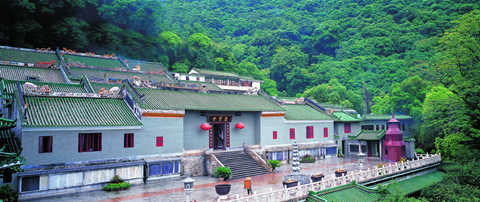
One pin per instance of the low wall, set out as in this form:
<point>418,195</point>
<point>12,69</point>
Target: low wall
<point>66,181</point>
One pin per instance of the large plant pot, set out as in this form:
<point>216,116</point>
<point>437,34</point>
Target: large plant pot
<point>222,189</point>
<point>340,174</point>
<point>317,178</point>
<point>290,184</point>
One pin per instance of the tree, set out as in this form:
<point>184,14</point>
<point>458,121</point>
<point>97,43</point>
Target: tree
<point>335,93</point>
<point>458,62</point>
<point>171,45</point>
<point>444,114</point>
<point>285,61</point>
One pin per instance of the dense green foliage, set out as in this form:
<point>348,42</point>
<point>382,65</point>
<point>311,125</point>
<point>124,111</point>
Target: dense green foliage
<point>223,172</point>
<point>274,164</point>
<point>116,184</point>
<point>461,183</point>
<point>8,193</point>
<point>307,159</point>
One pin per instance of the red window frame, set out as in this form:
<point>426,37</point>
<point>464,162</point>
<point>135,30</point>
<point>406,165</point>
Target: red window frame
<point>292,133</point>
<point>309,132</point>
<point>89,142</point>
<point>45,144</point>
<point>128,140</point>
<point>159,141</point>
<point>325,132</point>
<point>347,128</point>
<point>275,135</point>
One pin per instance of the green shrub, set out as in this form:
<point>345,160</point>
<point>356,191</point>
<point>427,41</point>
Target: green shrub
<point>117,186</point>
<point>274,164</point>
<point>223,172</point>
<point>419,151</point>
<point>307,159</point>
<point>339,152</point>
<point>7,193</point>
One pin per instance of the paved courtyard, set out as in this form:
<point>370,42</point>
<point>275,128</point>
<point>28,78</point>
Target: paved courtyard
<point>172,189</point>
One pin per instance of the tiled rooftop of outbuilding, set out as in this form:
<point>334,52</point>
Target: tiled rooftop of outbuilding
<point>26,56</point>
<point>88,61</point>
<point>23,74</point>
<point>156,99</point>
<point>11,86</point>
<point>416,183</point>
<point>77,73</point>
<point>344,117</point>
<point>384,117</point>
<point>304,112</point>
<point>370,135</point>
<point>45,111</point>
<point>348,192</point>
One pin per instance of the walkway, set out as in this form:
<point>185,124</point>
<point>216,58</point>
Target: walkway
<point>172,189</point>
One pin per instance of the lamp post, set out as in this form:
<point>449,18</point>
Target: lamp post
<point>188,188</point>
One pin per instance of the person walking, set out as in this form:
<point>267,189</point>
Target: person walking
<point>247,184</point>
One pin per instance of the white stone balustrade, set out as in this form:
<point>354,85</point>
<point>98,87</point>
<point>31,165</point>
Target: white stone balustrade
<point>330,181</point>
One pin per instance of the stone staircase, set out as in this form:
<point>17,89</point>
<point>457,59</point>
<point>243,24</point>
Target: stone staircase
<point>241,164</point>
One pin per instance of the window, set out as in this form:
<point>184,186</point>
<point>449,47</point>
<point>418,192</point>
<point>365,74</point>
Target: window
<point>354,148</point>
<point>331,151</point>
<point>383,127</point>
<point>45,144</point>
<point>280,155</point>
<point>275,133</point>
<point>292,133</point>
<point>403,127</point>
<point>89,142</point>
<point>31,183</point>
<point>377,127</point>
<point>128,140</point>
<point>347,128</point>
<point>386,150</point>
<point>309,132</point>
<point>367,127</point>
<point>159,141</point>
<point>325,132</point>
<point>164,168</point>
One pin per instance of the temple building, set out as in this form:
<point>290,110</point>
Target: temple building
<point>83,118</point>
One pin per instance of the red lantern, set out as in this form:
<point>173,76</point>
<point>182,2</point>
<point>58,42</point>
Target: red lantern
<point>239,125</point>
<point>205,126</point>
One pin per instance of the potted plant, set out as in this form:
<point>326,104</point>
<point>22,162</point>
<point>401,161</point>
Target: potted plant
<point>290,183</point>
<point>223,173</point>
<point>317,177</point>
<point>274,164</point>
<point>340,172</point>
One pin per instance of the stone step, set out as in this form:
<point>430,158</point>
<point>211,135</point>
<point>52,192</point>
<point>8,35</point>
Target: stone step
<point>241,164</point>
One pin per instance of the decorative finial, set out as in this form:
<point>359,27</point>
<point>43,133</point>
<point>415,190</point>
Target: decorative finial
<point>393,115</point>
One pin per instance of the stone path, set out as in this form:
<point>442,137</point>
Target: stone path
<point>171,189</point>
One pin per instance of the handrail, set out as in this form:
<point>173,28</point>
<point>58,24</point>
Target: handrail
<point>258,158</point>
<point>216,160</point>
<point>330,181</point>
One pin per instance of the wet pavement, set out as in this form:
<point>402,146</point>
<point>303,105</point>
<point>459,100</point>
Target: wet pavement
<point>171,189</point>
